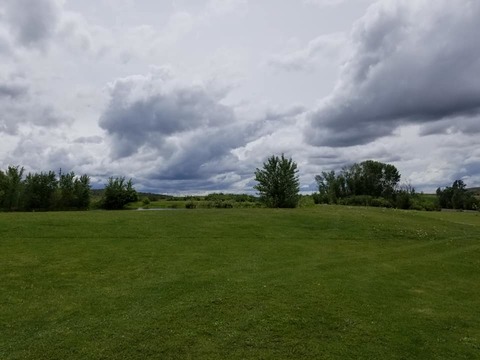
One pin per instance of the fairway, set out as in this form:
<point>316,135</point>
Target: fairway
<point>327,282</point>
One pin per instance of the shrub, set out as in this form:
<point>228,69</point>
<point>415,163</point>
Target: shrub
<point>190,205</point>
<point>320,198</point>
<point>358,200</point>
<point>380,202</point>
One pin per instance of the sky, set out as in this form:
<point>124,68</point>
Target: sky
<point>191,96</point>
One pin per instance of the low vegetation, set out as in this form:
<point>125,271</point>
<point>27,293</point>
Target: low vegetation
<point>210,201</point>
<point>329,282</point>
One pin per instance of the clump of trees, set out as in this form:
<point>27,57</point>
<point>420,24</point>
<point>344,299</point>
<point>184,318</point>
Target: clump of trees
<point>43,191</point>
<point>47,191</point>
<point>118,193</point>
<point>369,178</point>
<point>369,183</point>
<point>278,182</point>
<point>457,197</point>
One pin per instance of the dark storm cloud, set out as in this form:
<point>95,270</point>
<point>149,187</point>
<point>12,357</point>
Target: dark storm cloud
<point>412,62</point>
<point>31,22</point>
<point>183,130</point>
<point>147,110</point>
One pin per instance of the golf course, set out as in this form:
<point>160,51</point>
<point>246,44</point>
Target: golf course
<point>324,282</point>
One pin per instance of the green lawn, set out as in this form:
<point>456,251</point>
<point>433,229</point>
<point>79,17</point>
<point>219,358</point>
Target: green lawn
<point>316,283</point>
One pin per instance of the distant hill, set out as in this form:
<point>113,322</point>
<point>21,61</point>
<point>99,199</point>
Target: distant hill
<point>98,193</point>
<point>475,190</point>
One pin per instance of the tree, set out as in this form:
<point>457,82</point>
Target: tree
<point>370,178</point>
<point>457,197</point>
<point>39,190</point>
<point>331,187</point>
<point>11,188</point>
<point>74,191</point>
<point>278,182</point>
<point>118,193</point>
<point>66,188</point>
<point>81,190</point>
<point>43,191</point>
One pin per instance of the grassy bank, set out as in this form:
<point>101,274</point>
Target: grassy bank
<point>325,282</point>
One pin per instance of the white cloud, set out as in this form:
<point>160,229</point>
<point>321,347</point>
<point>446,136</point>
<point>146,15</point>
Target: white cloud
<point>323,47</point>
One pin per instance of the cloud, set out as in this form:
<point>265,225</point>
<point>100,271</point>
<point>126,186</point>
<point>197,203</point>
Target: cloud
<point>12,90</point>
<point>20,108</point>
<point>178,131</point>
<point>150,109</point>
<point>306,59</point>
<point>27,113</point>
<point>39,150</point>
<point>284,113</point>
<point>323,3</point>
<point>455,125</point>
<point>88,140</point>
<point>77,34</point>
<point>184,138</point>
<point>32,22</point>
<point>224,7</point>
<point>411,62</point>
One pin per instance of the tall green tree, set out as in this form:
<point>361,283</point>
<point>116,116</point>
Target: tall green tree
<point>278,182</point>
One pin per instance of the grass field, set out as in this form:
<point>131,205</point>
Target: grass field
<point>317,283</point>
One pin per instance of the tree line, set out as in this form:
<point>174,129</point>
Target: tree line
<point>48,191</point>
<point>369,183</point>
<point>43,191</point>
<point>457,197</point>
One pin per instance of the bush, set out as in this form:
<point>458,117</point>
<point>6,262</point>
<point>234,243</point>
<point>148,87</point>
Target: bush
<point>320,198</point>
<point>190,205</point>
<point>358,200</point>
<point>403,200</point>
<point>380,202</point>
<point>306,201</point>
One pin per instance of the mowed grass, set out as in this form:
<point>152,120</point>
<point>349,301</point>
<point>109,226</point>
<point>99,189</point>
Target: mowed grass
<point>317,283</point>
